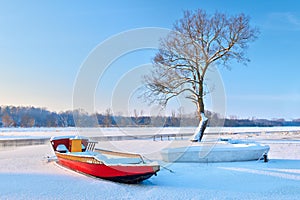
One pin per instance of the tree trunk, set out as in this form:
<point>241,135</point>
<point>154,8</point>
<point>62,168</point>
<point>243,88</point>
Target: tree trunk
<point>197,137</point>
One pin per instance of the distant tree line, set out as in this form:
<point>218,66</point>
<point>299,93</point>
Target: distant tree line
<point>11,116</point>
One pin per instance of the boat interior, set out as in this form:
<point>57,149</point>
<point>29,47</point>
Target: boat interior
<point>80,146</point>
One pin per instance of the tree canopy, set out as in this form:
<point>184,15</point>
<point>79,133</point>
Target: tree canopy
<point>197,41</point>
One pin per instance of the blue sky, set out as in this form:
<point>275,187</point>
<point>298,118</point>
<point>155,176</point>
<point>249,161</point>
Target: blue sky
<point>44,43</point>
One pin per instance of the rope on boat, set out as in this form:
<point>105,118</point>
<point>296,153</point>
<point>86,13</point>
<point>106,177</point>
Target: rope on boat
<point>50,158</point>
<point>264,156</point>
<point>164,167</point>
<point>171,171</point>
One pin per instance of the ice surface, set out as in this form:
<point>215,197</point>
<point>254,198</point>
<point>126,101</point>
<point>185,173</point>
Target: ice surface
<point>134,131</point>
<point>25,173</point>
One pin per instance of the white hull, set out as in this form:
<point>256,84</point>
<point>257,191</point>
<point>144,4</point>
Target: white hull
<point>219,151</point>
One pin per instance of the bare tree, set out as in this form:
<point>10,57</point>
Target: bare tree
<point>108,118</point>
<point>197,41</point>
<point>136,117</point>
<point>27,121</point>
<point>175,121</point>
<point>8,121</point>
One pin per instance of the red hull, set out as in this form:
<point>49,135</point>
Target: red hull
<point>119,173</point>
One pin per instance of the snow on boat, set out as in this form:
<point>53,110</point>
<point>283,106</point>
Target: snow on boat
<point>224,150</point>
<point>78,153</point>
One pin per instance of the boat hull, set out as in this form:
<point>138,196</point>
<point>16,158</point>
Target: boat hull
<point>215,152</point>
<point>119,173</point>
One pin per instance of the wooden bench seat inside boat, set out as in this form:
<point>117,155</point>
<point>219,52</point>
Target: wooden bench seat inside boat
<point>110,159</point>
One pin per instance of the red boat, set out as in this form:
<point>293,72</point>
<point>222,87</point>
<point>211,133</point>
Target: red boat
<point>78,153</point>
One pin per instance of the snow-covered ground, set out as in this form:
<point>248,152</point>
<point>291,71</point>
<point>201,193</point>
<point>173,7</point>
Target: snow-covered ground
<point>25,173</point>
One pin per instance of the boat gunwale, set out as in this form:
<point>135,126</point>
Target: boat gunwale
<point>101,162</point>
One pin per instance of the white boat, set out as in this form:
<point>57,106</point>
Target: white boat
<point>223,150</point>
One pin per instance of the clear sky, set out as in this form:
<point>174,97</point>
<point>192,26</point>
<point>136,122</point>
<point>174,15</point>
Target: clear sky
<point>44,43</point>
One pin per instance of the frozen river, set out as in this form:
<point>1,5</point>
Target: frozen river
<point>25,172</point>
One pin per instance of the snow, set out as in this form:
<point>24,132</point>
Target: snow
<point>25,173</point>
<point>219,151</point>
<point>112,159</point>
<point>200,129</point>
<point>136,131</point>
